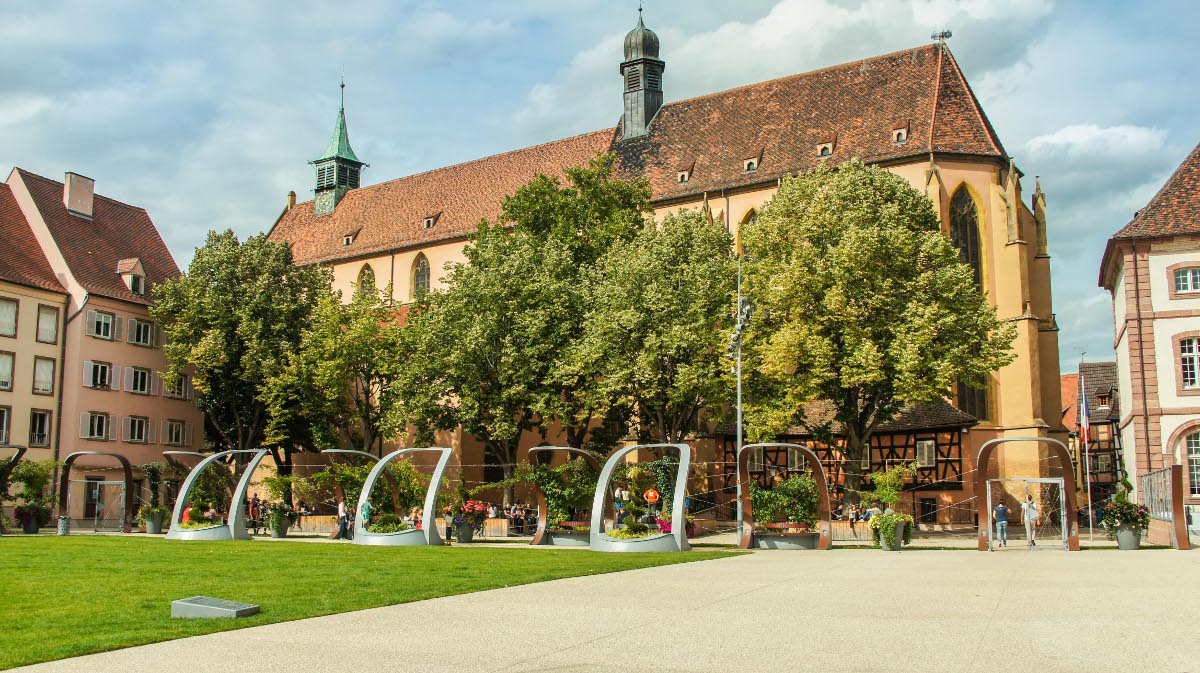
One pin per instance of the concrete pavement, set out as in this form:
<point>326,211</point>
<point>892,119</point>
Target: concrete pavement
<point>845,610</point>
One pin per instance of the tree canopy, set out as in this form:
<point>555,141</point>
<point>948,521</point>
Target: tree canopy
<point>863,303</point>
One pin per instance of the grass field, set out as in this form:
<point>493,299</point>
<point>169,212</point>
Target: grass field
<point>66,596</point>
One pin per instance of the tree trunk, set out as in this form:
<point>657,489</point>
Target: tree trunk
<point>283,466</point>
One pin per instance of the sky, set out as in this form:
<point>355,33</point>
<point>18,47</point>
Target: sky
<point>206,114</point>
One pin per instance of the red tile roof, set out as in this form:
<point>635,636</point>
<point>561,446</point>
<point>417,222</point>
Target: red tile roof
<point>1175,209</point>
<point>1070,400</point>
<point>93,247</point>
<point>856,106</point>
<point>23,261</point>
<point>391,215</point>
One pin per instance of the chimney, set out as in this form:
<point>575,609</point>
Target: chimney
<point>291,202</point>
<point>77,194</point>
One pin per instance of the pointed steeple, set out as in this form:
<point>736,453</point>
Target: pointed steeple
<point>339,169</point>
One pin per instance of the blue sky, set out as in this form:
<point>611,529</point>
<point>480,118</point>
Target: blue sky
<point>206,113</point>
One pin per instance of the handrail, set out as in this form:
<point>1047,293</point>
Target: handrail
<point>746,532</point>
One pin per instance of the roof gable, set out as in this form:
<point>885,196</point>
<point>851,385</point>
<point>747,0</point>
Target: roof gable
<point>92,248</point>
<point>1175,209</point>
<point>24,262</point>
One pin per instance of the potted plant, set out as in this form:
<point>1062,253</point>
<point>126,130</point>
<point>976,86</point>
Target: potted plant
<point>31,516</point>
<point>152,515</point>
<point>34,476</point>
<point>467,516</point>
<point>1125,521</point>
<point>279,517</point>
<point>389,523</point>
<point>889,528</point>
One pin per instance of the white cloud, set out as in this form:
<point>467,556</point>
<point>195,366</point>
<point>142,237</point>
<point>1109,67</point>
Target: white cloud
<point>1090,142</point>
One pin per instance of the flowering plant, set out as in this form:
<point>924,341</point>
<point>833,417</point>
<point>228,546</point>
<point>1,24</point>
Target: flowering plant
<point>1123,512</point>
<point>664,525</point>
<point>883,527</point>
<point>471,512</point>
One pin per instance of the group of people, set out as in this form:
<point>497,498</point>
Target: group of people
<point>256,514</point>
<point>1030,516</point>
<point>856,512</point>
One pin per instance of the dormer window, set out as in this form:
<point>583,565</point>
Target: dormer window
<point>684,173</point>
<point>683,177</point>
<point>900,132</point>
<point>133,275</point>
<point>825,150</point>
<point>1103,400</point>
<point>749,165</point>
<point>431,220</point>
<point>429,223</point>
<point>137,284</point>
<point>350,237</point>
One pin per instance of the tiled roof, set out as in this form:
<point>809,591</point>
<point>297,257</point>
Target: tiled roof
<point>392,214</point>
<point>922,416</point>
<point>855,106</point>
<point>93,247</point>
<point>1100,378</point>
<point>1175,209</point>
<point>127,265</point>
<point>23,261</point>
<point>1070,399</point>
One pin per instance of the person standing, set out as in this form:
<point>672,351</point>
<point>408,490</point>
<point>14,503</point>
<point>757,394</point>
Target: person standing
<point>366,514</point>
<point>1000,516</point>
<point>1029,514</point>
<point>341,519</point>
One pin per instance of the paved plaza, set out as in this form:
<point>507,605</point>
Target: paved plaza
<point>845,610</point>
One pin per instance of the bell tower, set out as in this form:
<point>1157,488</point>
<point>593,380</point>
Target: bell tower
<point>642,72</point>
<point>338,169</point>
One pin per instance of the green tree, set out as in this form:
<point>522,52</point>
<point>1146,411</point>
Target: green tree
<point>350,363</point>
<point>233,322</point>
<point>659,311</point>
<point>862,303</point>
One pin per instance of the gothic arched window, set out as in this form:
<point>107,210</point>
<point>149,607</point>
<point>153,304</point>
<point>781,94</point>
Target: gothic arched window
<point>964,235</point>
<point>964,231</point>
<point>420,276</point>
<point>366,278</point>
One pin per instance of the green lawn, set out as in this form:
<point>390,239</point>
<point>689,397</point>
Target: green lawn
<point>66,596</point>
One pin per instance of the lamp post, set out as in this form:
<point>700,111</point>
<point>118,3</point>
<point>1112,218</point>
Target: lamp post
<point>744,313</point>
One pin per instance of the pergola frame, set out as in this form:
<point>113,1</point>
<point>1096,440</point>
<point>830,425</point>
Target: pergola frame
<point>428,534</point>
<point>564,538</point>
<point>981,485</point>
<point>65,482</point>
<point>676,540</point>
<point>746,532</point>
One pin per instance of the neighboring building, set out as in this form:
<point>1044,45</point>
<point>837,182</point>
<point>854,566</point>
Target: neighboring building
<point>32,305</point>
<point>105,256</point>
<point>1152,268</point>
<point>1099,463</point>
<point>911,112</point>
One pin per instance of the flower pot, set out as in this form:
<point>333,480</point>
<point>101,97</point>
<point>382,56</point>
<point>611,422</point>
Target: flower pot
<point>464,532</point>
<point>279,530</point>
<point>899,538</point>
<point>1128,538</point>
<point>30,525</point>
<point>154,523</point>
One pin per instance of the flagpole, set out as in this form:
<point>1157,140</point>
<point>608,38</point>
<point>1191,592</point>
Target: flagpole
<point>1087,454</point>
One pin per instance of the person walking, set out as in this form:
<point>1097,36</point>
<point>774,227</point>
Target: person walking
<point>1000,516</point>
<point>366,514</point>
<point>341,520</point>
<point>1029,514</point>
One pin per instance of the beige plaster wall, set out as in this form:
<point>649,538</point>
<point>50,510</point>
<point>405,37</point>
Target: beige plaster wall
<point>21,400</point>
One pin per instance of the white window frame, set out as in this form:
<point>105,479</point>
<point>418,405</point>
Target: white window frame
<point>928,447</point>
<point>1189,363</point>
<point>130,426</point>
<point>16,315</point>
<point>181,390</point>
<point>139,282</point>
<point>52,312</point>
<point>132,374</point>
<point>48,415</point>
<point>53,370</point>
<point>755,461</point>
<point>1191,279</point>
<point>99,426</point>
<point>5,423</point>
<point>91,377</point>
<point>102,325</point>
<point>175,432</point>
<point>7,384</point>
<point>141,333</point>
<point>1192,442</point>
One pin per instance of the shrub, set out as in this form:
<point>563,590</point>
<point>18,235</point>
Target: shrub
<point>1123,512</point>
<point>23,513</point>
<point>796,499</point>
<point>631,531</point>
<point>884,526</point>
<point>389,523</point>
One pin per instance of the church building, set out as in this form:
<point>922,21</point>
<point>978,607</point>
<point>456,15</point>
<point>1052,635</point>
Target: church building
<point>911,112</point>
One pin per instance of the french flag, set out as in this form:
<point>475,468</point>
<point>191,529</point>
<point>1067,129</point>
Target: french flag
<point>1085,428</point>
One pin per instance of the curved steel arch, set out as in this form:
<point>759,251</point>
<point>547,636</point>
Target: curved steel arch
<point>235,529</point>
<point>541,536</point>
<point>676,540</point>
<point>746,533</point>
<point>65,481</point>
<point>428,535</point>
<point>1064,461</point>
<point>341,493</point>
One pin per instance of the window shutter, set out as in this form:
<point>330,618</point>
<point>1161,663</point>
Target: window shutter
<point>126,433</point>
<point>112,428</point>
<point>150,439</point>
<point>83,424</point>
<point>90,327</point>
<point>87,374</point>
<point>155,382</point>
<point>187,388</point>
<point>114,377</point>
<point>128,379</point>
<point>187,433</point>
<point>117,323</point>
<point>162,431</point>
<point>132,330</point>
<point>157,336</point>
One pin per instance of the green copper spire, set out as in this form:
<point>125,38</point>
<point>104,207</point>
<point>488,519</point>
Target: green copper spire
<point>339,145</point>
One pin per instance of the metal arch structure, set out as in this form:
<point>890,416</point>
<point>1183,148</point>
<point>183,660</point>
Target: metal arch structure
<point>747,538</point>
<point>982,463</point>
<point>235,528</point>
<point>172,459</point>
<point>676,540</point>
<point>65,482</point>
<point>341,493</point>
<point>562,538</point>
<point>7,468</point>
<point>428,534</point>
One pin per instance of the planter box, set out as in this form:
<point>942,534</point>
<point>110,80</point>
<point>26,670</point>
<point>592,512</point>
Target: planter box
<point>899,544</point>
